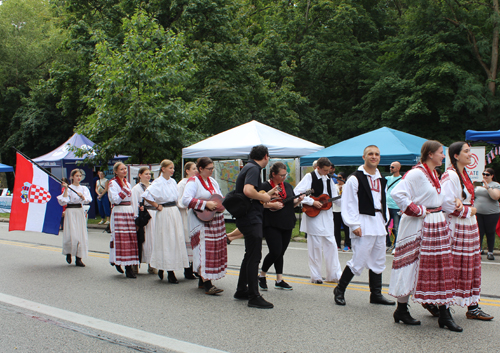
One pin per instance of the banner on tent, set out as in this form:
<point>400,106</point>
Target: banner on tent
<point>476,168</point>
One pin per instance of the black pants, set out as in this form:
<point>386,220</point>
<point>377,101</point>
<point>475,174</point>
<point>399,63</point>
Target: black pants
<point>249,271</point>
<point>277,242</point>
<point>487,223</point>
<point>337,227</point>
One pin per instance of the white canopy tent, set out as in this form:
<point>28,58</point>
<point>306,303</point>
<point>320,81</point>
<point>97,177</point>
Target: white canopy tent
<point>237,143</point>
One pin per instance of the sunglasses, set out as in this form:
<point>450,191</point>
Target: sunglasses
<point>486,174</point>
<point>392,167</point>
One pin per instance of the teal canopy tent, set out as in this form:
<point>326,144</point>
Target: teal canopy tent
<point>394,145</point>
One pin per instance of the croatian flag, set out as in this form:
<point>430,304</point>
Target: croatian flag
<point>34,200</point>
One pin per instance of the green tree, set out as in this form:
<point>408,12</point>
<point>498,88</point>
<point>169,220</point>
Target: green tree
<point>138,104</point>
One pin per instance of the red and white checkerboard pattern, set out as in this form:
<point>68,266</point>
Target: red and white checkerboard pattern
<point>39,194</point>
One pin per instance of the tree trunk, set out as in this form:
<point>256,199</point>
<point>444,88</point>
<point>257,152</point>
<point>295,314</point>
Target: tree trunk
<point>494,52</point>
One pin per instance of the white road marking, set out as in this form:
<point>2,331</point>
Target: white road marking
<point>109,327</point>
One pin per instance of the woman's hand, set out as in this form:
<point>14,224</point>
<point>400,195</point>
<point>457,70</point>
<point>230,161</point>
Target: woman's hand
<point>458,205</point>
<point>473,211</point>
<point>275,205</point>
<point>211,205</point>
<point>159,207</point>
<point>81,195</point>
<point>64,185</point>
<point>141,208</point>
<point>485,184</point>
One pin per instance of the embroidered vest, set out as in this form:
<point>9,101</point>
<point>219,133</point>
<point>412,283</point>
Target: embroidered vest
<point>317,185</point>
<point>365,197</point>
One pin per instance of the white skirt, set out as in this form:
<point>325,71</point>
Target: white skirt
<point>169,248</point>
<point>187,237</point>
<point>149,231</point>
<point>75,235</point>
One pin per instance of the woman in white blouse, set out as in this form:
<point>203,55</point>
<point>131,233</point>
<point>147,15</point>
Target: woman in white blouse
<point>75,236</point>
<point>189,171</point>
<point>169,248</point>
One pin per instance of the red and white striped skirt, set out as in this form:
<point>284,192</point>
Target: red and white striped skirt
<point>123,248</point>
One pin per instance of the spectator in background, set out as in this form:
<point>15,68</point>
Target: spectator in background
<point>486,199</point>
<point>341,177</point>
<point>332,174</point>
<point>101,189</point>
<point>394,212</point>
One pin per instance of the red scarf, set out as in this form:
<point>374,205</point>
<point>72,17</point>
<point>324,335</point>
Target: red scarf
<point>119,182</point>
<point>433,176</point>
<point>468,185</point>
<point>282,193</point>
<point>210,188</point>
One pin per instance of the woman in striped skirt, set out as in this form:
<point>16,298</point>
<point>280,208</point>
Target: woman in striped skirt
<point>464,232</point>
<point>422,264</point>
<point>123,245</point>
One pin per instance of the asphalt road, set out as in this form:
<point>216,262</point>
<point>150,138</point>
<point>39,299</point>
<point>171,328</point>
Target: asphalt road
<point>47,305</point>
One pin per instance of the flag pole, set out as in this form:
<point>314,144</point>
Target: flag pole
<point>43,169</point>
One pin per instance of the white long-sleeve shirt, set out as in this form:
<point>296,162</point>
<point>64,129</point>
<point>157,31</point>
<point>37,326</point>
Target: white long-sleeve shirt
<point>73,198</point>
<point>162,191</point>
<point>322,224</point>
<point>370,225</point>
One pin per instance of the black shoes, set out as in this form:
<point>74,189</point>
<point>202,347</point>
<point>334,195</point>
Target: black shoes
<point>402,314</point>
<point>68,259</point>
<point>119,268</point>
<point>260,303</point>
<point>241,295</point>
<point>79,262</point>
<point>188,272</point>
<point>262,283</point>
<point>490,256</point>
<point>375,282</point>
<point>129,272</point>
<point>171,277</point>
<point>318,281</point>
<point>445,319</point>
<point>160,274</point>
<point>282,285</point>
<point>432,309</point>
<point>338,296</point>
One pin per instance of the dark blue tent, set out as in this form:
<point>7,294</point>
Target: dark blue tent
<point>492,137</point>
<point>4,168</point>
<point>394,145</point>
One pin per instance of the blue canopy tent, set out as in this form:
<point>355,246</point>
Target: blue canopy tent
<point>4,168</point>
<point>492,137</point>
<point>394,145</point>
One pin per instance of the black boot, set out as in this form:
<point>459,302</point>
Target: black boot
<point>432,309</point>
<point>129,272</point>
<point>160,274</point>
<point>119,268</point>
<point>79,262</point>
<point>188,272</point>
<point>402,314</point>
<point>445,319</point>
<point>171,277</point>
<point>345,279</point>
<point>68,258</point>
<point>200,283</point>
<point>376,297</point>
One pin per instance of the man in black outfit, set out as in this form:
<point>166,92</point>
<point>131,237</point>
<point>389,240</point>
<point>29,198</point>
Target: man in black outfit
<point>249,183</point>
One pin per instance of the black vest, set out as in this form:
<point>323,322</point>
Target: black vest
<point>317,185</point>
<point>365,197</point>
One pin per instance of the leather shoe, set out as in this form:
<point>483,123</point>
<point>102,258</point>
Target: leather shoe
<point>380,299</point>
<point>119,268</point>
<point>338,295</point>
<point>68,258</point>
<point>214,290</point>
<point>79,262</point>
<point>260,303</point>
<point>160,274</point>
<point>241,295</point>
<point>478,314</point>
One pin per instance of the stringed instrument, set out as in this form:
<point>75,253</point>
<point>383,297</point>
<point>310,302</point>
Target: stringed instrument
<point>207,215</point>
<point>288,199</point>
<point>278,189</point>
<point>325,199</point>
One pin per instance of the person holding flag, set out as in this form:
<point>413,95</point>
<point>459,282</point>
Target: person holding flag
<point>75,235</point>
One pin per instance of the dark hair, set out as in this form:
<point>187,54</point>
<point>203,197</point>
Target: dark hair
<point>456,148</point>
<point>429,146</point>
<point>188,166</point>
<point>492,172</point>
<point>439,172</point>
<point>276,167</point>
<point>142,170</point>
<point>203,162</point>
<point>323,162</point>
<point>342,176</point>
<point>259,152</point>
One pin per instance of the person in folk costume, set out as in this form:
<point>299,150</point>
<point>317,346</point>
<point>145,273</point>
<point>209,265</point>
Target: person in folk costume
<point>149,231</point>
<point>320,229</point>
<point>365,212</point>
<point>169,248</point>
<point>279,221</point>
<point>465,247</point>
<point>101,189</point>
<point>422,264</point>
<point>123,245</point>
<point>208,239</point>
<point>75,235</point>
<point>190,170</point>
